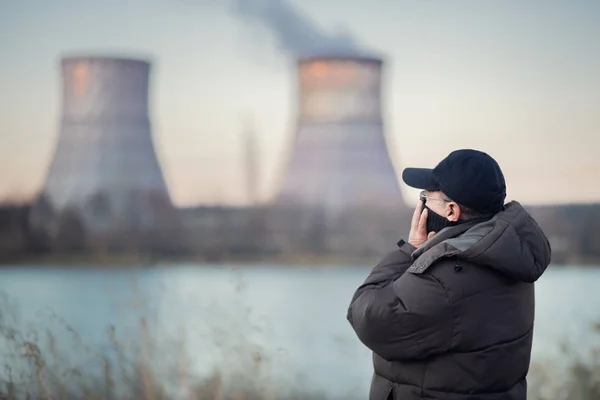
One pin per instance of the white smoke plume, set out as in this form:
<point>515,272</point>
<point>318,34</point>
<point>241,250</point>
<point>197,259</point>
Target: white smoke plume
<point>295,32</point>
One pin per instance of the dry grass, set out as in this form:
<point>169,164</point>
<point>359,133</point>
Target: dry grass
<point>35,367</point>
<point>572,377</point>
<point>48,376</point>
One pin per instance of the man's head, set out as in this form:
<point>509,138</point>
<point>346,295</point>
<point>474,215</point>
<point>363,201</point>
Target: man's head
<point>467,184</point>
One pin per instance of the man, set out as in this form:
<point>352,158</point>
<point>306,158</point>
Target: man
<point>449,315</point>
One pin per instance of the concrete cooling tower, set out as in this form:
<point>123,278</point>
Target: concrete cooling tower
<point>340,157</point>
<point>104,165</point>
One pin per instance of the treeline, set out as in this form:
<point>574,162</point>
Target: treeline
<point>66,233</point>
<point>216,234</point>
<point>573,231</point>
<point>203,233</point>
<point>292,233</point>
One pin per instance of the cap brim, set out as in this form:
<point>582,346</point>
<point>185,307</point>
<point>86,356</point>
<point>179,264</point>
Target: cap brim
<point>420,178</point>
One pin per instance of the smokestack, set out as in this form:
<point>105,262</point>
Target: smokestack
<point>340,157</point>
<point>104,164</point>
<point>250,163</point>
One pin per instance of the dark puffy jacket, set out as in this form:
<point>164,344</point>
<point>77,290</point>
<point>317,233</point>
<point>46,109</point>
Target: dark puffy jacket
<point>453,319</point>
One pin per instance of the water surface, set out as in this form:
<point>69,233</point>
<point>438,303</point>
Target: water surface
<point>293,317</point>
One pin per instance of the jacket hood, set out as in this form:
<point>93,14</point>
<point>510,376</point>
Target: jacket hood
<point>511,242</point>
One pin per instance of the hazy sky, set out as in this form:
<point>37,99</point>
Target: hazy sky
<point>519,79</point>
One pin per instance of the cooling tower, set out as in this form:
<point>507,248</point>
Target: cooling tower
<point>105,166</point>
<point>340,158</point>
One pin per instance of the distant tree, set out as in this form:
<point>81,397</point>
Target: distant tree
<point>13,233</point>
<point>164,234</point>
<point>588,231</point>
<point>71,234</point>
<point>315,236</point>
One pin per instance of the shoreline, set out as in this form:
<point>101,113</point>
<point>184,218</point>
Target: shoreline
<point>150,261</point>
<point>153,261</point>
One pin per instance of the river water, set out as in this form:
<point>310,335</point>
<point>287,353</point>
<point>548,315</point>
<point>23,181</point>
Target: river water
<point>291,318</point>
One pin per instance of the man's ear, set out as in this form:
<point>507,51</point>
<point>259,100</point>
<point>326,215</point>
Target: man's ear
<point>453,212</point>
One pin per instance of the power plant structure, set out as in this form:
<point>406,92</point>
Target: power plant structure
<point>104,166</point>
<point>340,158</point>
<point>251,158</point>
<point>339,190</point>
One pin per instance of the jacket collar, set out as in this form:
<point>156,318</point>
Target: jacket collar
<point>437,247</point>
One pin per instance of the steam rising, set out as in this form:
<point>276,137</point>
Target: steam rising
<point>294,31</point>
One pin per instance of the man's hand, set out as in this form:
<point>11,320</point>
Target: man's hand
<point>418,227</point>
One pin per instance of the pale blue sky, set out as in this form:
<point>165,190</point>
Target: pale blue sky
<point>519,79</point>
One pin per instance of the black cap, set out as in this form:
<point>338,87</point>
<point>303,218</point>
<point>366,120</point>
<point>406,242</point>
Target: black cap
<point>469,177</point>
